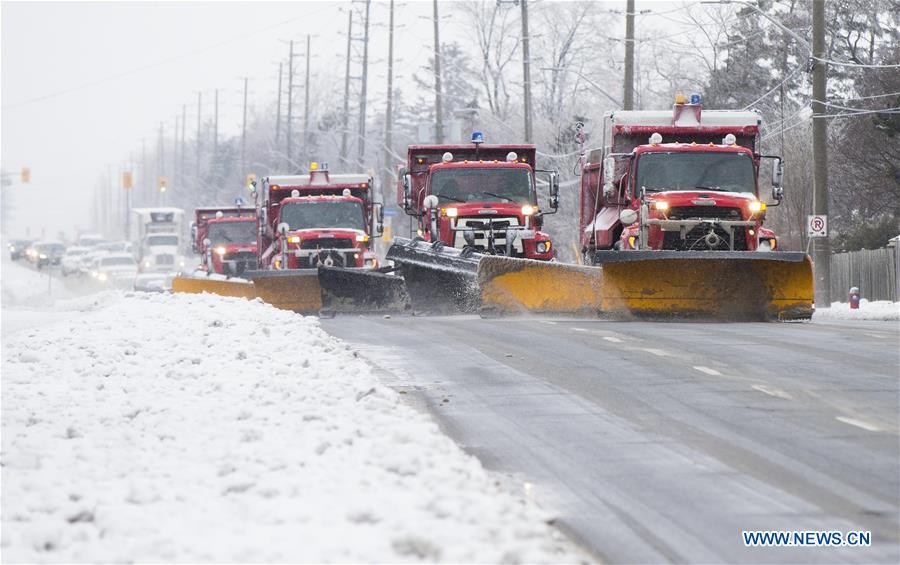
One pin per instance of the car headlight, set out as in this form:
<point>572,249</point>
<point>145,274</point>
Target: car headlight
<point>12,248</point>
<point>181,264</point>
<point>42,256</point>
<point>362,238</point>
<point>527,210</point>
<point>102,277</point>
<point>147,263</point>
<point>543,247</point>
<point>661,205</point>
<point>220,250</point>
<point>451,212</point>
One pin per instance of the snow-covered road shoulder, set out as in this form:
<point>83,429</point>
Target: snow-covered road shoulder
<point>868,310</point>
<point>202,428</point>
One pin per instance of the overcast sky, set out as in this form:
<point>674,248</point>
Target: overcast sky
<point>83,83</point>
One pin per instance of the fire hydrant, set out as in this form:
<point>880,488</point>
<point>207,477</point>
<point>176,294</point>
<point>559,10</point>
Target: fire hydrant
<point>854,298</point>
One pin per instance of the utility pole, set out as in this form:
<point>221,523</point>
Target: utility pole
<point>438,110</point>
<point>628,98</point>
<point>345,125</point>
<point>244,133</point>
<point>290,155</point>
<point>183,121</point>
<point>161,161</point>
<point>526,72</point>
<point>199,122</point>
<point>306,102</point>
<point>361,143</point>
<point>822,248</point>
<point>278,108</point>
<point>389,111</point>
<point>145,178</point>
<point>216,130</point>
<point>175,151</point>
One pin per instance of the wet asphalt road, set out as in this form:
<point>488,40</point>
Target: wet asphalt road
<point>662,442</point>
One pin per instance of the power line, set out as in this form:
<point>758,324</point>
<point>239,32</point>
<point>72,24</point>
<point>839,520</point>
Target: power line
<point>761,98</point>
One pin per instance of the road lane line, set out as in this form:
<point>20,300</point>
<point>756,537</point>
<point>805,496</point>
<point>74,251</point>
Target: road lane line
<point>613,339</point>
<point>657,352</point>
<point>859,424</point>
<point>706,370</point>
<point>773,392</point>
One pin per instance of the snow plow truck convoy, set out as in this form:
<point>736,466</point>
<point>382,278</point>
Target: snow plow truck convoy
<point>671,225</point>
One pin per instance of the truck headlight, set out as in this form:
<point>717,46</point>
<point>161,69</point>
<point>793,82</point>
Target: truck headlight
<point>294,239</point>
<point>362,238</point>
<point>220,250</point>
<point>757,206</point>
<point>147,264</point>
<point>42,256</point>
<point>543,247</point>
<point>102,277</point>
<point>451,212</point>
<point>661,205</point>
<point>527,210</point>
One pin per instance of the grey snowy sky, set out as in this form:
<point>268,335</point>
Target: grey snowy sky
<point>82,84</point>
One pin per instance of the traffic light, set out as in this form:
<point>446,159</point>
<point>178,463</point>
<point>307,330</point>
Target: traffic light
<point>250,178</point>
<point>127,180</point>
<point>162,184</point>
<point>26,174</point>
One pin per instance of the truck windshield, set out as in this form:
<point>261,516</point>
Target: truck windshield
<point>323,214</point>
<point>682,170</point>
<point>486,184</point>
<point>232,232</point>
<point>162,240</point>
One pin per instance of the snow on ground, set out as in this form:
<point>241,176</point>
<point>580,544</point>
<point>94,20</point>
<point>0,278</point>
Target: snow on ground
<point>874,310</point>
<point>203,428</point>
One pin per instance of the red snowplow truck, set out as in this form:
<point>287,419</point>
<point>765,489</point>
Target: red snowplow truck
<point>225,239</point>
<point>479,196</point>
<point>672,212</point>
<point>471,202</point>
<point>317,219</point>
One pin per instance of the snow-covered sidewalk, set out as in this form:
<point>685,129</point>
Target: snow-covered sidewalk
<point>202,428</point>
<point>868,310</point>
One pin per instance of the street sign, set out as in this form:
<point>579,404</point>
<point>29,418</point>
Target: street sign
<point>127,179</point>
<point>817,226</point>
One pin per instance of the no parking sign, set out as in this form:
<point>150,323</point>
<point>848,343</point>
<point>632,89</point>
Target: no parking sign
<point>817,226</point>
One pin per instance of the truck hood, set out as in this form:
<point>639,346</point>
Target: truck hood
<point>328,233</point>
<point>486,210</point>
<point>163,250</point>
<point>704,198</point>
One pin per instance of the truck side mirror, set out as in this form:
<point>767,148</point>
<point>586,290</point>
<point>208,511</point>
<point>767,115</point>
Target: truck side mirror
<point>554,190</point>
<point>378,209</point>
<point>777,193</point>
<point>194,237</point>
<point>777,173</point>
<point>407,192</point>
<point>206,243</point>
<point>609,171</point>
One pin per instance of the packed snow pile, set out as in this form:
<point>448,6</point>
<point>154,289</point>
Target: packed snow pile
<point>868,310</point>
<point>204,428</point>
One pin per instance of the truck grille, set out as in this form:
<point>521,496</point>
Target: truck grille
<point>694,241</point>
<point>165,259</point>
<point>240,261</point>
<point>705,212</point>
<point>340,258</point>
<point>480,226</point>
<point>327,243</point>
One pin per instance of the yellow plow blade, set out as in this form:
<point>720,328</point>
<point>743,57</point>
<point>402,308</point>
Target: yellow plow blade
<point>738,286</point>
<point>741,286</point>
<point>289,290</point>
<point>511,285</point>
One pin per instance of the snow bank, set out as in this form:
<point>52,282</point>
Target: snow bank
<point>201,428</point>
<point>875,310</point>
<point>22,285</point>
